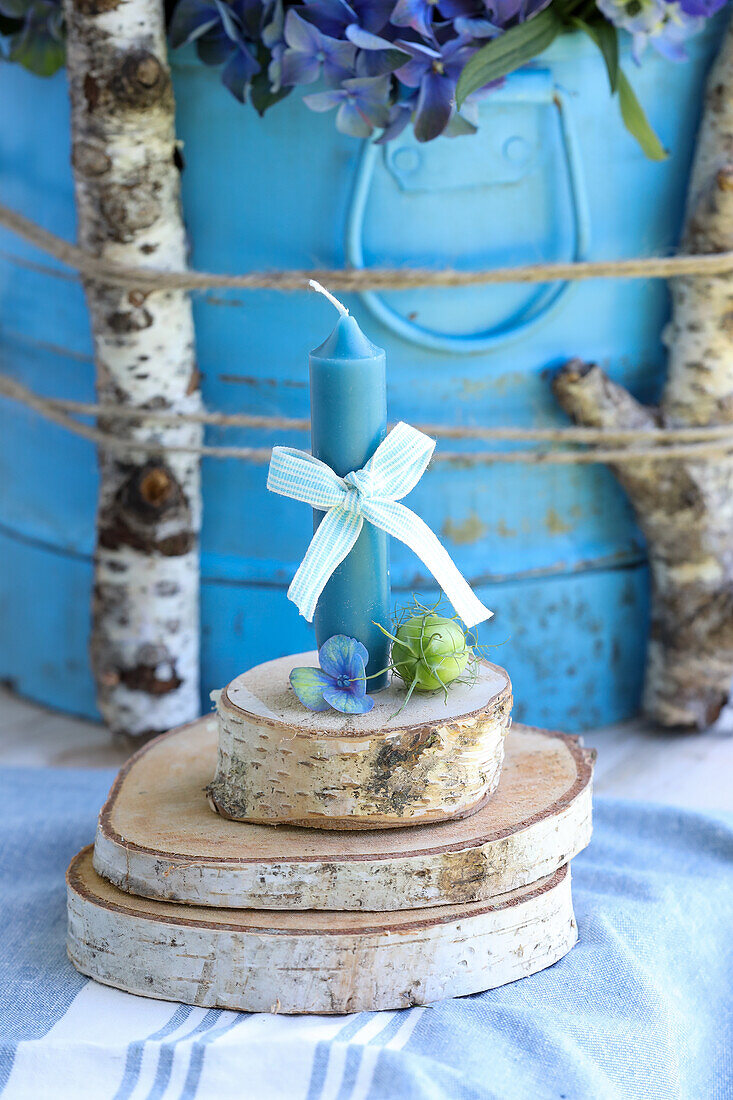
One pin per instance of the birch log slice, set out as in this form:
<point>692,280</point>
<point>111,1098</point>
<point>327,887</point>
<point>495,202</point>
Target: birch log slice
<point>312,962</point>
<point>157,837</point>
<point>279,763</point>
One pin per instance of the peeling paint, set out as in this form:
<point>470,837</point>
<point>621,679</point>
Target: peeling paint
<point>504,531</point>
<point>469,388</point>
<point>464,532</point>
<point>555,524</point>
<point>472,387</point>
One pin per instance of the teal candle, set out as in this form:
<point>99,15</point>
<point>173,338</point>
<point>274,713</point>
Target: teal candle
<point>348,422</point>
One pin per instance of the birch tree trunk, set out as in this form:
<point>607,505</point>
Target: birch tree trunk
<point>145,631</point>
<point>685,508</point>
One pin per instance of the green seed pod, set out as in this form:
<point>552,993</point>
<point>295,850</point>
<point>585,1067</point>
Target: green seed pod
<point>430,652</point>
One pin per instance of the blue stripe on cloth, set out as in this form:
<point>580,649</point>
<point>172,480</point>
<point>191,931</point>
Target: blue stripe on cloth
<point>37,982</point>
<point>134,1060</point>
<point>196,1063</point>
<point>167,1053</point>
<point>355,1053</point>
<point>323,1049</point>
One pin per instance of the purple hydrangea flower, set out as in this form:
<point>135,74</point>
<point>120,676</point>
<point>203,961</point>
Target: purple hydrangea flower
<point>373,15</point>
<point>273,38</point>
<point>340,682</point>
<point>384,64</point>
<point>663,25</point>
<point>434,71</point>
<point>489,19</point>
<point>417,14</point>
<point>219,30</point>
<point>399,117</point>
<point>330,16</point>
<point>376,55</point>
<point>506,13</point>
<point>704,8</point>
<point>363,104</point>
<point>310,53</point>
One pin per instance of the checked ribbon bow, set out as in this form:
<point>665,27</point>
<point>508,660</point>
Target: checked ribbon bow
<point>373,494</point>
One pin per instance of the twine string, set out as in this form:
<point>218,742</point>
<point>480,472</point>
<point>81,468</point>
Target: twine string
<point>657,444</point>
<point>149,279</point>
<point>621,445</point>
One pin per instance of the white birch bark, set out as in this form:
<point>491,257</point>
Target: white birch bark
<point>685,508</point>
<point>279,763</point>
<point>313,962</point>
<point>144,645</point>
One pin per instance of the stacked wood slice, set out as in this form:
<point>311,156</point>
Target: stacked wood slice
<point>339,908</point>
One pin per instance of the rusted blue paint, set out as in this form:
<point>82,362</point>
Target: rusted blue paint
<point>554,551</point>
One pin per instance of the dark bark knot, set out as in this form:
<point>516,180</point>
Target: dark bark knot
<point>724,178</point>
<point>156,487</point>
<point>91,91</point>
<point>124,322</point>
<point>154,672</point>
<point>95,7</point>
<point>141,80</point>
<point>128,208</point>
<point>149,496</point>
<point>153,680</point>
<point>90,160</point>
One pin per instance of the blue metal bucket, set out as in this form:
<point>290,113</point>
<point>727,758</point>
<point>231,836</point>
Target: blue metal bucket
<point>552,174</point>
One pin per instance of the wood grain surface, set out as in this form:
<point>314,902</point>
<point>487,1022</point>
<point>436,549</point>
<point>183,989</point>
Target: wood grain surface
<point>157,837</point>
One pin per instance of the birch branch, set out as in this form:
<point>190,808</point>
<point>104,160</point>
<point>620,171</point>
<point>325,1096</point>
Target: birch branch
<point>144,644</point>
<point>685,507</point>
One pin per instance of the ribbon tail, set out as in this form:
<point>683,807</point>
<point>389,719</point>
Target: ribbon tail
<point>403,524</point>
<point>332,541</point>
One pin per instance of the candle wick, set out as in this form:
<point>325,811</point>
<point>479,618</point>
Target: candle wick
<point>332,299</point>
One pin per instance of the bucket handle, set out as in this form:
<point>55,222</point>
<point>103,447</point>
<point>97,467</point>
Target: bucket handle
<point>525,86</point>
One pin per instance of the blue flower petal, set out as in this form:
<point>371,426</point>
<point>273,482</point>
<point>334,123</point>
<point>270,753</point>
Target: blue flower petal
<point>214,48</point>
<point>336,656</point>
<point>330,16</point>
<point>301,35</point>
<point>435,102</point>
<point>190,20</point>
<point>373,15</point>
<point>351,120</point>
<point>371,63</point>
<point>364,40</point>
<point>299,68</point>
<point>418,50</point>
<point>338,60</point>
<point>237,73</point>
<point>323,101</point>
<point>417,14</point>
<point>347,702</point>
<point>399,116</point>
<point>357,677</point>
<point>705,8</point>
<point>309,685</point>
